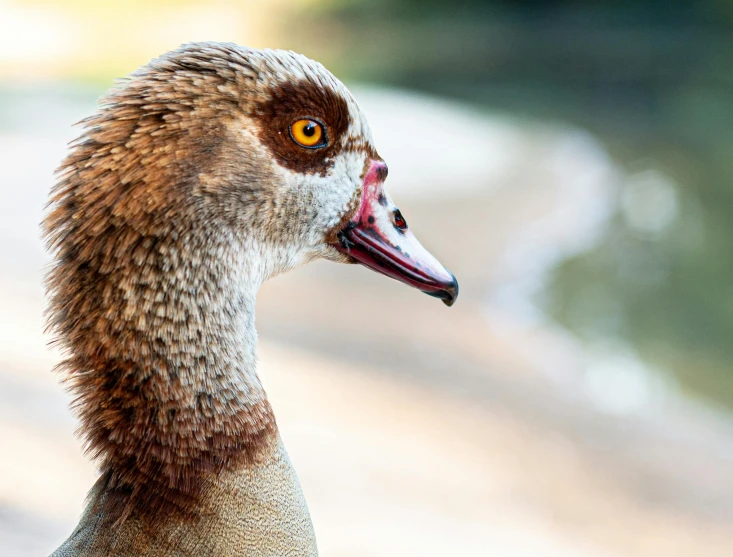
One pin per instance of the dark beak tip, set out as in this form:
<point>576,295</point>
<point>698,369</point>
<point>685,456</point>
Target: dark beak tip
<point>448,294</point>
<point>452,292</point>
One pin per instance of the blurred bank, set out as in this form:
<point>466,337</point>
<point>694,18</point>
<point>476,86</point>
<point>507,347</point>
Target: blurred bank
<point>576,399</point>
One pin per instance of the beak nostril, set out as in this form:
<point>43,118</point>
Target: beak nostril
<point>399,221</point>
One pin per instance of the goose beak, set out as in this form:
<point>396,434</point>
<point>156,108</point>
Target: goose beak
<point>378,238</point>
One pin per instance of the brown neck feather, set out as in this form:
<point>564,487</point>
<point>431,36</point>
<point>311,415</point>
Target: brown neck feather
<point>163,366</point>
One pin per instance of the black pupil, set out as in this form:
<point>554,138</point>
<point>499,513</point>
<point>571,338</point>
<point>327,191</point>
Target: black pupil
<point>309,130</point>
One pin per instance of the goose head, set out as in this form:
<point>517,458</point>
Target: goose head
<point>267,147</point>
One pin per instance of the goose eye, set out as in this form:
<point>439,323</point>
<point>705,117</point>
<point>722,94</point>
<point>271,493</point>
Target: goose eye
<point>308,133</point>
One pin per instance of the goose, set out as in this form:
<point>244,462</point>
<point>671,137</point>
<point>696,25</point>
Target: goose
<point>207,171</point>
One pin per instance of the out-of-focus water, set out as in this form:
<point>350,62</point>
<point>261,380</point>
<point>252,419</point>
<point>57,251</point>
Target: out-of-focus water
<point>583,193</point>
<point>652,84</point>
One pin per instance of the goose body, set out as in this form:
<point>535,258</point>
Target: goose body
<point>206,172</point>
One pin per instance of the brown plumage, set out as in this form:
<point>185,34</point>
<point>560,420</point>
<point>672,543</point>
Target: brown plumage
<point>183,193</point>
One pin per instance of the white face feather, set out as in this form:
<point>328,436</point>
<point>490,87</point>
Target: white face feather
<point>321,199</point>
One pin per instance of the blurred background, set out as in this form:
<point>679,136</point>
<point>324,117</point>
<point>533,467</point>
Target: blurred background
<point>571,162</point>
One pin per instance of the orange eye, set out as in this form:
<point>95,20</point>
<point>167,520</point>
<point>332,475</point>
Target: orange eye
<point>308,133</point>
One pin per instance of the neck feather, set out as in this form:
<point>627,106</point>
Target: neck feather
<point>161,338</point>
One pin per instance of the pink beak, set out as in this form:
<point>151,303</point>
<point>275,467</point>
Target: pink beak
<point>378,238</point>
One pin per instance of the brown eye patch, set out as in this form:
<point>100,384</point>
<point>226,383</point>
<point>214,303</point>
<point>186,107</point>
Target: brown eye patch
<point>290,103</point>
